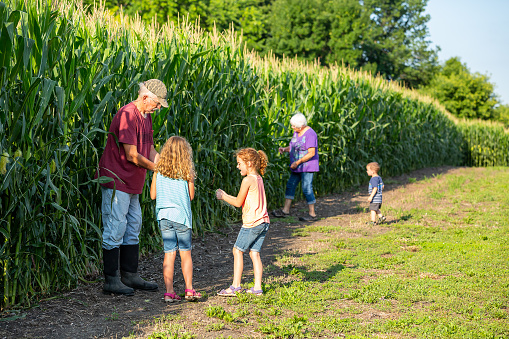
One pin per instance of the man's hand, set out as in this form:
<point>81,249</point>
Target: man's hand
<point>132,155</point>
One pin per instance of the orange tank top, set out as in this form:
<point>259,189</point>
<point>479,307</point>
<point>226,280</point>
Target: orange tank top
<point>254,209</point>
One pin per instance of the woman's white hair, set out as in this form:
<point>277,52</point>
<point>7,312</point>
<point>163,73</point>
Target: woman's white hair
<point>298,120</point>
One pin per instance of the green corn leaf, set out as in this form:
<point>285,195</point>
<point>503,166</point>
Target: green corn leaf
<point>46,91</point>
<point>14,17</point>
<point>3,13</point>
<point>6,41</point>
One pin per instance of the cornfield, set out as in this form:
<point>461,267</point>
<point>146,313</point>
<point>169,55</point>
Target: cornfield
<point>65,73</point>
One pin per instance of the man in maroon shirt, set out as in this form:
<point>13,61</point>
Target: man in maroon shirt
<point>128,154</point>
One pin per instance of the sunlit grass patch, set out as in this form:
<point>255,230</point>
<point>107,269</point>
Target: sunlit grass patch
<point>286,328</point>
<point>219,313</point>
<point>214,327</point>
<point>432,265</point>
<point>338,325</point>
<point>167,326</point>
<point>290,219</point>
<point>438,272</point>
<point>324,228</point>
<point>301,232</point>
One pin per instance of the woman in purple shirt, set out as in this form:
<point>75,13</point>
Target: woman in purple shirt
<point>303,151</point>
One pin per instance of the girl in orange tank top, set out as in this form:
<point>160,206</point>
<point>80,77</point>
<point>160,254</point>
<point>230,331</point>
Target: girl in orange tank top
<point>255,219</point>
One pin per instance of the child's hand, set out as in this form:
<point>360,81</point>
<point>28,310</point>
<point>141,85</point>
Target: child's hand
<point>281,150</point>
<point>219,194</point>
<point>294,165</point>
<point>369,199</point>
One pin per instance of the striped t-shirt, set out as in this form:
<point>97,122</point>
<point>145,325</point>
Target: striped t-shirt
<point>378,183</point>
<point>173,201</point>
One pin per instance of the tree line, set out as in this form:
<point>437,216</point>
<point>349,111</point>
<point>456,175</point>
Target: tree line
<point>385,37</point>
<point>465,94</point>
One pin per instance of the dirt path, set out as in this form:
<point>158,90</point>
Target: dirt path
<point>86,313</point>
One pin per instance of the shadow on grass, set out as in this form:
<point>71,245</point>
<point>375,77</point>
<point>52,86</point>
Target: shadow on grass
<point>318,276</point>
<point>398,220</point>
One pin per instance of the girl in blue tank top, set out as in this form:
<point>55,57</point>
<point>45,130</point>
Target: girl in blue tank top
<point>173,188</point>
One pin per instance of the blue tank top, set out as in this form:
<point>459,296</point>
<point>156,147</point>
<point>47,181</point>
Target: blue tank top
<point>173,201</point>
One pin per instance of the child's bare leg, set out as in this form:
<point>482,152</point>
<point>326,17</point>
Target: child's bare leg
<point>257,268</point>
<point>379,213</point>
<point>168,269</point>
<point>288,204</point>
<point>238,266</point>
<point>186,263</point>
<point>312,210</point>
<point>373,216</point>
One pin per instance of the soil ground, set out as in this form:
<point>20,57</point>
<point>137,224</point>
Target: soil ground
<point>86,312</point>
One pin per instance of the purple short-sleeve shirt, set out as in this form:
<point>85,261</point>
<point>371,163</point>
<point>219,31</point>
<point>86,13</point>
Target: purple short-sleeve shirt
<point>299,148</point>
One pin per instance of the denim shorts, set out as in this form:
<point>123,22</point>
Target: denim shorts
<point>175,236</point>
<point>251,238</point>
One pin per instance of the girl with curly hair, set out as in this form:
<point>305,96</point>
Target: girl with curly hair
<point>255,219</point>
<point>173,188</point>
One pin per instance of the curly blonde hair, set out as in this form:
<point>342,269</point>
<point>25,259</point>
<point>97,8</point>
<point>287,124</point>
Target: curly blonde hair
<point>258,159</point>
<point>176,159</point>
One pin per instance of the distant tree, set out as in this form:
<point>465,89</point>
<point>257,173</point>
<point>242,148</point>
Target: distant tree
<point>246,16</point>
<point>299,28</point>
<point>502,114</point>
<point>464,94</point>
<point>397,46</point>
<point>350,29</point>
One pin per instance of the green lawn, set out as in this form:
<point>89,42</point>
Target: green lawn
<point>440,270</point>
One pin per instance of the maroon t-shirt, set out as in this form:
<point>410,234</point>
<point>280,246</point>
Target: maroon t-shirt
<point>131,128</point>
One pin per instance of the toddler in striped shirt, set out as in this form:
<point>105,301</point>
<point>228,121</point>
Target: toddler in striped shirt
<point>376,186</point>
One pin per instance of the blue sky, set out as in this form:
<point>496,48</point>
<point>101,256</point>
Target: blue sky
<point>476,31</point>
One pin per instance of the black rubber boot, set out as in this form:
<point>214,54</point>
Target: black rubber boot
<point>112,283</point>
<point>129,255</point>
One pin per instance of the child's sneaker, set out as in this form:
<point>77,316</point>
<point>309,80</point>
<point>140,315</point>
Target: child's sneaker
<point>371,223</point>
<point>381,220</point>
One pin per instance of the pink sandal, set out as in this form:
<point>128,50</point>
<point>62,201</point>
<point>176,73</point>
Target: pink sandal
<point>194,296</point>
<point>173,297</point>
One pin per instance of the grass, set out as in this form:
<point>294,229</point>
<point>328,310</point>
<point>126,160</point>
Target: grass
<point>219,313</point>
<point>439,271</point>
<point>166,327</point>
